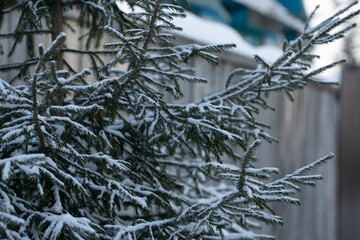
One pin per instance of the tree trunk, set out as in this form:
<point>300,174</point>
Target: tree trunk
<point>57,28</point>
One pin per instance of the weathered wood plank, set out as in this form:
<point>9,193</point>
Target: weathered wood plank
<point>349,156</point>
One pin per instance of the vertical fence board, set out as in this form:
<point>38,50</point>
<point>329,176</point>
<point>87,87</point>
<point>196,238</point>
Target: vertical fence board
<point>349,157</point>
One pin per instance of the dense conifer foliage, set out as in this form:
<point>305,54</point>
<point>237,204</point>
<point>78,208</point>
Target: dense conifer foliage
<point>100,154</point>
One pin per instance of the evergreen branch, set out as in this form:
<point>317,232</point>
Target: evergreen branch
<point>11,34</point>
<point>87,51</point>
<point>293,176</point>
<point>245,159</point>
<point>312,14</point>
<point>12,66</point>
<point>43,57</point>
<point>11,8</point>
<point>154,17</point>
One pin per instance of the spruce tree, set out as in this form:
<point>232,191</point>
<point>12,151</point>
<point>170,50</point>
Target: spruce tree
<point>100,154</point>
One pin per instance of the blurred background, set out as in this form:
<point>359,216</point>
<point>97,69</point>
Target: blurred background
<point>321,120</point>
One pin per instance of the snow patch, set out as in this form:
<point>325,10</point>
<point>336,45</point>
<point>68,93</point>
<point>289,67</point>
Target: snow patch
<point>274,10</point>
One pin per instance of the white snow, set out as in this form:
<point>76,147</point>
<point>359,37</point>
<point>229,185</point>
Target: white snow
<point>124,7</point>
<point>274,10</point>
<point>6,170</point>
<point>57,222</point>
<point>198,122</point>
<point>57,207</point>
<point>11,218</point>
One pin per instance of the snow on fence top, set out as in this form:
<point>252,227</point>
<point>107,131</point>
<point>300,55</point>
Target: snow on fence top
<point>274,10</point>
